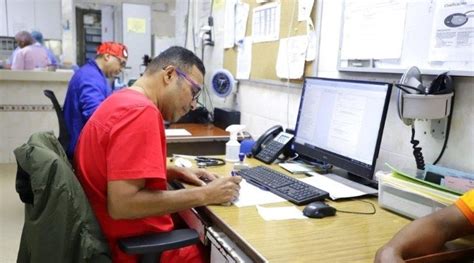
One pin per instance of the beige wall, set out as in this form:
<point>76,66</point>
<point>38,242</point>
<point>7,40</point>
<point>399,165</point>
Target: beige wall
<point>281,104</point>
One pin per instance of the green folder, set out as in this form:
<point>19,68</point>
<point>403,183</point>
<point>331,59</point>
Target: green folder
<point>407,177</point>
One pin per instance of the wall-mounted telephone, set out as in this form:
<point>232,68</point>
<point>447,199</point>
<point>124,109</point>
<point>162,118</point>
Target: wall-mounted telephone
<point>271,144</point>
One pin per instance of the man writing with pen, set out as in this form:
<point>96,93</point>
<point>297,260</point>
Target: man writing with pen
<point>121,154</point>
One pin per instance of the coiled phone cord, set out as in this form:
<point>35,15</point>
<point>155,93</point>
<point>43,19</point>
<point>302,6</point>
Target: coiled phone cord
<point>420,162</point>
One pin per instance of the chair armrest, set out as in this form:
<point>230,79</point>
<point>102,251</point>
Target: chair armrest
<point>157,243</point>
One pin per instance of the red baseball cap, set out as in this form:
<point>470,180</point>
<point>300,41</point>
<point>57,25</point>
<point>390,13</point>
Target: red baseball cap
<point>113,48</point>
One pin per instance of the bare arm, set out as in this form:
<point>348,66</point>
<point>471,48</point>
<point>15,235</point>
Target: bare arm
<point>128,199</point>
<point>425,235</point>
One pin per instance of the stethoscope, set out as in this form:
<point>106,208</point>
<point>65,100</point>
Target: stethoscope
<point>201,161</point>
<point>208,161</point>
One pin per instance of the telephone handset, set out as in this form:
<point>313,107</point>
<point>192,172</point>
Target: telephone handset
<point>271,144</point>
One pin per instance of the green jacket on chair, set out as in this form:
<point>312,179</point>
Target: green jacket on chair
<point>60,225</point>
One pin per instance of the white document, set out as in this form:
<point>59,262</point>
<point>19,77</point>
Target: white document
<point>452,36</point>
<point>244,59</point>
<point>266,23</point>
<point>295,168</point>
<point>346,124</point>
<point>304,9</point>
<point>280,213</point>
<point>335,189</point>
<point>229,24</point>
<point>291,57</point>
<point>251,195</point>
<point>373,29</point>
<point>176,132</point>
<point>311,50</point>
<point>241,15</point>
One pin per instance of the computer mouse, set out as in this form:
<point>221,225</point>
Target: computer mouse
<point>318,210</point>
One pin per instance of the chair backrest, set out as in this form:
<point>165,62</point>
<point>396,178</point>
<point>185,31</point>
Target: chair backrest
<point>63,133</point>
<point>60,225</point>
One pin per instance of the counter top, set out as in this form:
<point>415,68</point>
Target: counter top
<point>29,75</point>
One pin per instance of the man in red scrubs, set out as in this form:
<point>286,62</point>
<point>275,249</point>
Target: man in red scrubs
<point>120,157</point>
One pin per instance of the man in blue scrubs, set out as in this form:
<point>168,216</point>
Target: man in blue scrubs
<point>40,42</point>
<point>89,87</point>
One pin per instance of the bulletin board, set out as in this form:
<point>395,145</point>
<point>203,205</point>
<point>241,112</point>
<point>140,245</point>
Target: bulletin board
<point>419,28</point>
<point>264,54</point>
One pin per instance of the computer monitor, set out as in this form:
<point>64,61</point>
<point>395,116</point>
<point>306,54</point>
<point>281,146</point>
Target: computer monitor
<point>341,122</point>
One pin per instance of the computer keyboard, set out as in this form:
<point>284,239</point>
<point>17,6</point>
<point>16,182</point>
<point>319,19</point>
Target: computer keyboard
<point>282,185</point>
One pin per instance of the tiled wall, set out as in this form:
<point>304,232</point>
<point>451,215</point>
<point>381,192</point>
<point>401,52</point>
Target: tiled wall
<point>24,110</point>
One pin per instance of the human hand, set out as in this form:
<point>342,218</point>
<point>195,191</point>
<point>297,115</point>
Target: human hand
<point>387,254</point>
<point>223,190</point>
<point>193,176</point>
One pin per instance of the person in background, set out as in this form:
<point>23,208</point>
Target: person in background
<point>428,234</point>
<point>40,42</point>
<point>88,88</point>
<point>121,163</point>
<point>29,56</point>
<point>9,61</point>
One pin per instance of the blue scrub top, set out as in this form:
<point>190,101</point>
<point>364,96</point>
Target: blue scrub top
<point>87,88</point>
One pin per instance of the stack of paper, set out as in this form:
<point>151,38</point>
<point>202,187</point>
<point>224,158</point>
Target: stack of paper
<point>404,181</point>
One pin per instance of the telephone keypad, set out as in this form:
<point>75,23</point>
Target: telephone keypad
<point>270,152</point>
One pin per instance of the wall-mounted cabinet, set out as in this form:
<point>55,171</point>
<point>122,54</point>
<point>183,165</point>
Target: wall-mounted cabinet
<point>41,15</point>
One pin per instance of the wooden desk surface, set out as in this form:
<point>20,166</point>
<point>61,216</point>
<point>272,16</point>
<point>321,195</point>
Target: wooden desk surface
<point>342,238</point>
<point>199,133</point>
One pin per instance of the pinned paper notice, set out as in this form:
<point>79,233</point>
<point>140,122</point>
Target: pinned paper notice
<point>136,25</point>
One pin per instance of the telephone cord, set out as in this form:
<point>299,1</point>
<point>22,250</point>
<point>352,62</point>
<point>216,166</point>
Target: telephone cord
<point>420,162</point>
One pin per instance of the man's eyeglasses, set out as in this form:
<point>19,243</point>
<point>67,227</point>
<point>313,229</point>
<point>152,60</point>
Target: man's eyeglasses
<point>196,89</point>
<point>123,62</point>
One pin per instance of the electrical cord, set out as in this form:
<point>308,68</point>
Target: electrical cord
<point>420,162</point>
<point>288,66</point>
<point>448,128</point>
<point>187,25</point>
<point>374,210</point>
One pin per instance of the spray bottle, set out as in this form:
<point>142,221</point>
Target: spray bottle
<point>232,147</point>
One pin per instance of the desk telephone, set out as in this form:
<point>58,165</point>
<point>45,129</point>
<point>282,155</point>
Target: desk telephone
<point>271,144</point>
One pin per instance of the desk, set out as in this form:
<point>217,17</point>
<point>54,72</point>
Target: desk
<point>343,238</point>
<point>205,139</point>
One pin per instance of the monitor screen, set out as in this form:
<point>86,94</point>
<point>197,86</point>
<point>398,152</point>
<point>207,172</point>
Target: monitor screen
<point>341,122</point>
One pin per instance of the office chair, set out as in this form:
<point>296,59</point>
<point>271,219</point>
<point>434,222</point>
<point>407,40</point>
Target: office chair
<point>63,133</point>
<point>59,223</point>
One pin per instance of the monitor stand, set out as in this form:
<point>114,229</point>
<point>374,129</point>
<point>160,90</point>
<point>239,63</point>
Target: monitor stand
<point>353,181</point>
<point>361,180</point>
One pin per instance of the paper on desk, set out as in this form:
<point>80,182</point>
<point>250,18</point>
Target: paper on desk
<point>335,189</point>
<point>252,195</point>
<point>280,213</point>
<point>177,132</point>
<point>295,168</point>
